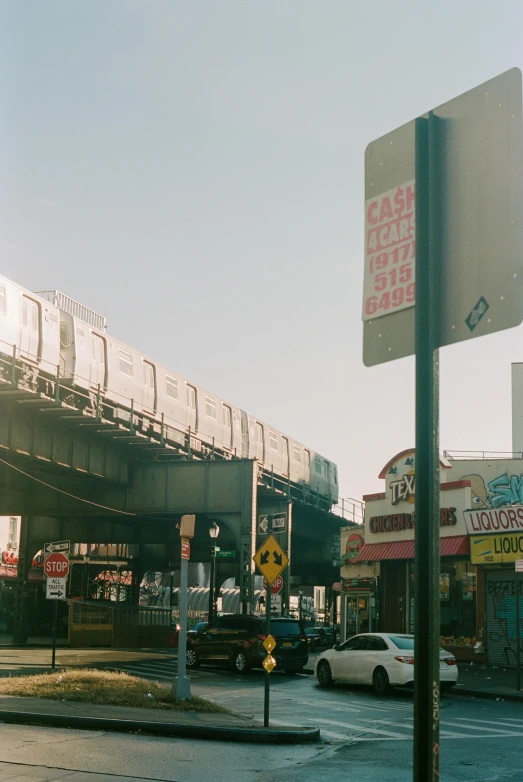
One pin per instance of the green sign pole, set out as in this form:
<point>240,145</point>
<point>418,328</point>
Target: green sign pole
<point>426,562</point>
<point>268,611</point>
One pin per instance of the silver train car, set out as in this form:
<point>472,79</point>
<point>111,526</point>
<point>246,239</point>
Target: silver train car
<point>54,340</point>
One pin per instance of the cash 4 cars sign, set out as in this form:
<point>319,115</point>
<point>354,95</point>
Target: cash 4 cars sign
<point>390,251</point>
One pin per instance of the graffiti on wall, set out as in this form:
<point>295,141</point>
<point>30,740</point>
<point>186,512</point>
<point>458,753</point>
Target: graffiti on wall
<point>503,633</point>
<point>501,491</point>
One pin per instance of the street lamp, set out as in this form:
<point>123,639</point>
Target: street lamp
<point>214,531</point>
<point>300,610</point>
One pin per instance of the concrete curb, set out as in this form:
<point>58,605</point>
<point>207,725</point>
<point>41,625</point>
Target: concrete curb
<point>211,732</point>
<point>493,696</point>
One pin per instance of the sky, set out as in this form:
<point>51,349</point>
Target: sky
<point>194,171</point>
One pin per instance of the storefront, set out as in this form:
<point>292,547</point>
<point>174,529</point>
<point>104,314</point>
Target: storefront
<point>495,550</point>
<point>389,541</point>
<point>359,607</point>
<point>481,537</point>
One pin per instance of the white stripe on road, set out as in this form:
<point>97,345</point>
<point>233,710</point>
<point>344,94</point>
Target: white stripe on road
<point>363,728</point>
<point>508,721</point>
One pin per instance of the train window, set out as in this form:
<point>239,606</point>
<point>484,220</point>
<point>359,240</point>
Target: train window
<point>297,453</point>
<point>273,441</point>
<point>244,425</point>
<point>326,469</point>
<point>126,362</point>
<point>317,466</point>
<point>171,387</point>
<point>335,475</point>
<point>34,317</point>
<point>210,407</point>
<point>148,375</point>
<point>3,301</point>
<point>191,397</point>
<point>93,347</point>
<point>64,336</point>
<point>25,312</point>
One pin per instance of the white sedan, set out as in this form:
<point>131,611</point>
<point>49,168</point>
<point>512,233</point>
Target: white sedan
<point>384,660</point>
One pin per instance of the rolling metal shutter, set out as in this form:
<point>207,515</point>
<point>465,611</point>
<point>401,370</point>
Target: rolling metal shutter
<point>501,617</point>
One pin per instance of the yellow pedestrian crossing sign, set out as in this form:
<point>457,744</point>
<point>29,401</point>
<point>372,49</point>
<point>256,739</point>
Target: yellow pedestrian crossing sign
<point>271,559</point>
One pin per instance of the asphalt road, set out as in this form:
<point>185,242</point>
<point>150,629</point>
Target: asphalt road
<point>365,738</point>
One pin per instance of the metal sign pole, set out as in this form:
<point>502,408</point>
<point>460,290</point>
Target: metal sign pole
<point>182,689</point>
<point>55,622</point>
<point>518,638</point>
<point>268,610</point>
<point>426,563</point>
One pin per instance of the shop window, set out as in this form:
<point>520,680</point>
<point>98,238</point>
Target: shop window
<point>457,596</point>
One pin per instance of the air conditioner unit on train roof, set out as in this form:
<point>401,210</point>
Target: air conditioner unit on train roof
<point>74,308</point>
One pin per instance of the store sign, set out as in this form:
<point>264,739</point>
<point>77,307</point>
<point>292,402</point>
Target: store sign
<point>396,522</point>
<point>403,489</point>
<point>389,284</point>
<point>491,521</point>
<point>496,548</point>
<point>353,547</point>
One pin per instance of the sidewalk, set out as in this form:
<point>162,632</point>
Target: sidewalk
<point>35,657</point>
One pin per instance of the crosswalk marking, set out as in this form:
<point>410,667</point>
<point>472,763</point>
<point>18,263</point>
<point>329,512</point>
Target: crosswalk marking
<point>362,728</point>
<point>506,721</point>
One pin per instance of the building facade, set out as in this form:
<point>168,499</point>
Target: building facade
<point>481,537</point>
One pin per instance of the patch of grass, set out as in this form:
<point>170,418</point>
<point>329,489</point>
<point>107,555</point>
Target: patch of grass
<point>102,687</point>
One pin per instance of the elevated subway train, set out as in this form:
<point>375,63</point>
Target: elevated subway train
<point>54,341</point>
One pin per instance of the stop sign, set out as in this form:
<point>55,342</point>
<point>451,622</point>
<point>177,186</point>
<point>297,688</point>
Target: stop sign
<point>57,565</point>
<point>276,587</point>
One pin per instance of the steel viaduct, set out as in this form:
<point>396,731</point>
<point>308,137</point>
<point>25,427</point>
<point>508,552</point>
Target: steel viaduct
<point>71,474</point>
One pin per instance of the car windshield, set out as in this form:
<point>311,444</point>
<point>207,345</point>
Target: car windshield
<point>403,641</point>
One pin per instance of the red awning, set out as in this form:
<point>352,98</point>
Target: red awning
<point>404,549</point>
<point>11,573</point>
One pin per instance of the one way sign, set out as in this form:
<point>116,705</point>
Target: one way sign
<point>271,559</point>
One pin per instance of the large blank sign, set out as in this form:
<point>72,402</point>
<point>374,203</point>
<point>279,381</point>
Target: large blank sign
<point>481,249</point>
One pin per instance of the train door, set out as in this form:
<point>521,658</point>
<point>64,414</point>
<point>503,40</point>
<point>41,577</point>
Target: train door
<point>245,435</point>
<point>260,445</point>
<point>30,329</point>
<point>192,413</point>
<point>227,426</point>
<point>307,466</point>
<point>285,455</point>
<point>97,367</point>
<point>148,387</point>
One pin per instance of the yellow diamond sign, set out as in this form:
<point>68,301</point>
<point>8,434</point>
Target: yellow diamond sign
<point>269,663</point>
<point>269,643</point>
<point>271,559</point>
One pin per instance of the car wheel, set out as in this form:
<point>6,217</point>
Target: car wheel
<point>324,674</point>
<point>380,681</point>
<point>191,659</point>
<point>240,662</point>
<point>447,686</point>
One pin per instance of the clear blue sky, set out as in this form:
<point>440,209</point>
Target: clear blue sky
<point>194,171</point>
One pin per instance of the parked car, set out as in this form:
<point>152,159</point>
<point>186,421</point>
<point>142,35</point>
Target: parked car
<point>237,640</point>
<point>326,634</point>
<point>313,637</point>
<point>197,627</point>
<point>383,660</point>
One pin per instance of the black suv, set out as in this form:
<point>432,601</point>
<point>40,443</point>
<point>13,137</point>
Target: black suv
<point>237,639</point>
